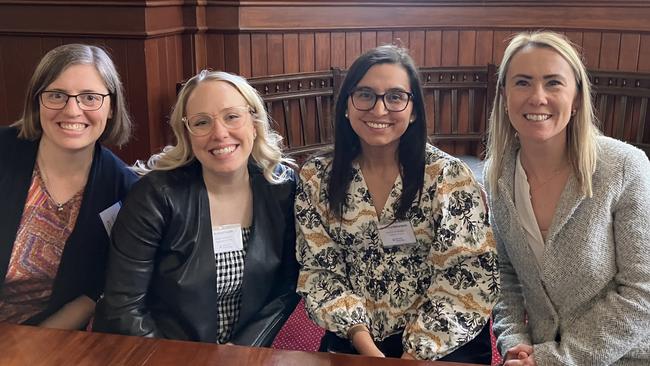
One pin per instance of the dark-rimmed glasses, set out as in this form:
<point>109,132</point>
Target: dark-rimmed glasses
<point>395,100</point>
<point>202,124</point>
<point>57,100</point>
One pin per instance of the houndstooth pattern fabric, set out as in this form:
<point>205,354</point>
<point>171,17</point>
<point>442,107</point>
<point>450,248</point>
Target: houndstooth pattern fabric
<point>230,273</point>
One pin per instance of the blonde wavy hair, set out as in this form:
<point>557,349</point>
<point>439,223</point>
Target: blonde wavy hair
<point>267,147</point>
<point>581,130</point>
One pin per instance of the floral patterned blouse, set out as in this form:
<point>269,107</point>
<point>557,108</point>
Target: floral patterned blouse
<point>439,292</point>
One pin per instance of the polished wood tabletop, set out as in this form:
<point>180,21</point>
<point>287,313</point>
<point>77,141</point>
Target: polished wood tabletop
<point>24,345</point>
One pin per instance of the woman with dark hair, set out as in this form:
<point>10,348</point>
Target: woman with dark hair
<point>61,188</point>
<point>393,238</point>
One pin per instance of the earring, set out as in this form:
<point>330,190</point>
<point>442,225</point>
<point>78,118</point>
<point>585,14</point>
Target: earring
<point>412,119</point>
<point>506,108</point>
<point>346,114</point>
<point>573,112</point>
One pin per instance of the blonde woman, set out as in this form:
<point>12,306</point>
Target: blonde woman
<point>204,248</point>
<point>569,211</point>
<point>60,188</point>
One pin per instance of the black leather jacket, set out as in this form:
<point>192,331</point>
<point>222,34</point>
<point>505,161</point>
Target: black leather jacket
<point>161,279</point>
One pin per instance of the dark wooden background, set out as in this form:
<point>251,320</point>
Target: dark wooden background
<point>156,43</point>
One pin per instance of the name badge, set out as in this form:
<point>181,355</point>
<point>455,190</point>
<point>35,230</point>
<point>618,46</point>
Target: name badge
<point>227,238</point>
<point>109,215</point>
<point>398,233</point>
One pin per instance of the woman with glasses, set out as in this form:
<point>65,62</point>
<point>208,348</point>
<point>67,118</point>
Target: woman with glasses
<point>570,216</point>
<point>204,247</point>
<point>397,255</point>
<point>61,189</point>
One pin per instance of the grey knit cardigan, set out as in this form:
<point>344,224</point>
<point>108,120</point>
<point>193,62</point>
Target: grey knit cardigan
<point>589,303</point>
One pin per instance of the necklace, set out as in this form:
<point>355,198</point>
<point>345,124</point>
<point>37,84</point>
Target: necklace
<point>549,179</point>
<point>59,206</point>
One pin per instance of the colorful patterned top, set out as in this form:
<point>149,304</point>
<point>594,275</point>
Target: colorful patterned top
<point>42,234</point>
<point>439,292</point>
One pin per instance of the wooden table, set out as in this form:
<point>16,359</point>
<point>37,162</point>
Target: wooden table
<point>31,346</point>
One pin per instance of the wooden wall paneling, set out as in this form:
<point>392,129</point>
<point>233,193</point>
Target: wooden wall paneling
<point>416,47</point>
<point>322,51</point>
<point>450,46</point>
<point>4,114</point>
<point>216,53</point>
<point>117,49</point>
<point>500,42</point>
<point>384,37</point>
<point>307,52</point>
<point>629,54</point>
<point>352,47</point>
<point>575,38</point>
<point>277,113</point>
<point>232,57</point>
<point>308,113</point>
<point>275,54</point>
<point>466,56</point>
<point>484,47</point>
<point>259,52</point>
<point>22,56</point>
<point>48,44</point>
<point>298,122</point>
<point>433,48</point>
<point>449,57</point>
<point>137,90</point>
<point>154,85</point>
<point>402,39</point>
<point>467,48</point>
<point>610,44</point>
<point>368,40</point>
<point>337,50</point>
<point>245,55</point>
<point>291,51</point>
<point>644,53</point>
<point>591,42</point>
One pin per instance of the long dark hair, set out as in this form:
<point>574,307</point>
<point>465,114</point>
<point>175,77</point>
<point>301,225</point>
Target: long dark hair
<point>346,142</point>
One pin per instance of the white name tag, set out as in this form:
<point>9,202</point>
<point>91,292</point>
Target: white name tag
<point>227,238</point>
<point>108,216</point>
<point>398,233</point>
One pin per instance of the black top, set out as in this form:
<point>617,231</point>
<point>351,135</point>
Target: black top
<point>82,267</point>
<point>161,279</point>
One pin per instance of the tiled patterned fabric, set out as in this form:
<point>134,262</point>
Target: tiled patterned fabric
<point>299,333</point>
<point>230,273</point>
<point>42,234</point>
<point>439,292</point>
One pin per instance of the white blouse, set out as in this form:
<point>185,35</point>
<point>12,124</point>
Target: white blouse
<point>526,214</point>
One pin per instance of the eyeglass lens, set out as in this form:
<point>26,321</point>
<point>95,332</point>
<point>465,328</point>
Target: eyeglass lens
<point>58,100</point>
<point>394,100</point>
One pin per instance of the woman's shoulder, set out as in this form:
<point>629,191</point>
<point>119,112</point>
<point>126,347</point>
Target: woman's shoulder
<point>317,164</point>
<point>615,155</point>
<point>439,162</point>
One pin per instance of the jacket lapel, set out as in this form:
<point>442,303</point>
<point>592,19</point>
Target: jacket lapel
<point>15,179</point>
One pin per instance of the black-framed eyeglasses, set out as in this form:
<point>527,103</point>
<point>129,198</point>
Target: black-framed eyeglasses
<point>57,100</point>
<point>395,100</point>
<point>202,124</point>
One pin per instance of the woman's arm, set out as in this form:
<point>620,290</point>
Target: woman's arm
<point>73,315</point>
<point>134,242</point>
<point>322,281</point>
<point>262,329</point>
<point>465,283</point>
<point>618,321</point>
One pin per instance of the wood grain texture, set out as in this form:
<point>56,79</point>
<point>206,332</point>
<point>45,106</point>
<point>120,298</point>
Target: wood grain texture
<point>25,345</point>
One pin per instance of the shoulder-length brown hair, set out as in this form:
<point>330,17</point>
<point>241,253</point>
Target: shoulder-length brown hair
<point>55,62</point>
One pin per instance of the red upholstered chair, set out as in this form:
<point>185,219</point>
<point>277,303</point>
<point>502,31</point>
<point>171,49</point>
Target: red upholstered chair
<point>299,333</point>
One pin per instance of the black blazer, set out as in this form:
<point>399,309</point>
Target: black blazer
<point>82,267</point>
<point>161,279</point>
